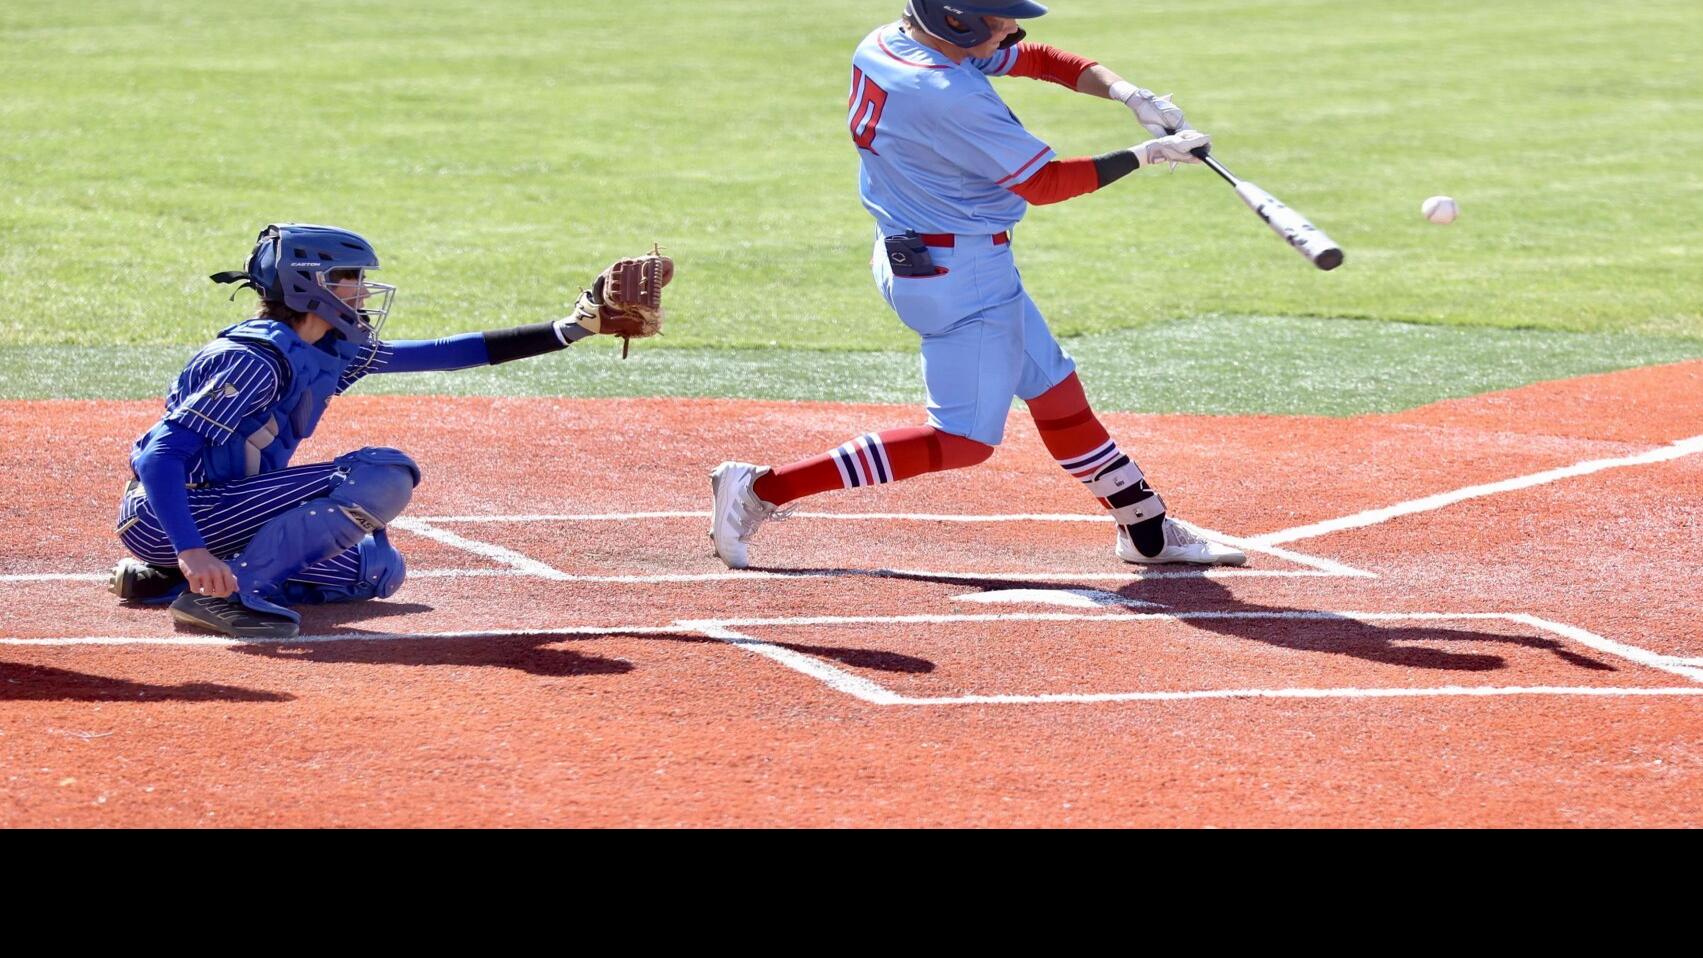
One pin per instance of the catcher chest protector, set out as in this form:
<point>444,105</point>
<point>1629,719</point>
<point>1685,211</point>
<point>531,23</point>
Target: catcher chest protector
<point>933,16</point>
<point>265,441</point>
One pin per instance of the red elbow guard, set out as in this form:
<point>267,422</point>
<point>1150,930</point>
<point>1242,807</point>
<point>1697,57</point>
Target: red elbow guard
<point>1038,61</point>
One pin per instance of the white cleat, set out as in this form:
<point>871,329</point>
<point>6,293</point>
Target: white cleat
<point>1181,545</point>
<point>737,512</point>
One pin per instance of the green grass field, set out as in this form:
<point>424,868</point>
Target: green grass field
<point>499,155</point>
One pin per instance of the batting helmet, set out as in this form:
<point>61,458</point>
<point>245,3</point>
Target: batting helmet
<point>296,263</point>
<point>938,17</point>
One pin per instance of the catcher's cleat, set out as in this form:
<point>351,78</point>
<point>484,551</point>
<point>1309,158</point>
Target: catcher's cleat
<point>737,512</point>
<point>136,581</point>
<point>232,618</point>
<point>1181,545</point>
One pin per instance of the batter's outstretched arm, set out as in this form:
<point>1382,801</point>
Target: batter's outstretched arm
<point>1040,61</point>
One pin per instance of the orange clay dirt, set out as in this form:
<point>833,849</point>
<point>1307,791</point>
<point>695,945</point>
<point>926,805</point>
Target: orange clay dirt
<point>1529,656</point>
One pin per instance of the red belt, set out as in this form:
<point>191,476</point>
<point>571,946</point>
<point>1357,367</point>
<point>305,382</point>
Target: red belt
<point>949,240</point>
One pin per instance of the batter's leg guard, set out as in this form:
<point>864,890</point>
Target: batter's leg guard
<point>375,488</point>
<point>1134,504</point>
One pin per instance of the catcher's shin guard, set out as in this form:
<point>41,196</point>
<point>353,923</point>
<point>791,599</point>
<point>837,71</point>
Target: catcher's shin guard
<point>375,489</point>
<point>381,572</point>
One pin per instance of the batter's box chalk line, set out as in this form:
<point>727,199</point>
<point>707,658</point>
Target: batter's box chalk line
<point>737,632</point>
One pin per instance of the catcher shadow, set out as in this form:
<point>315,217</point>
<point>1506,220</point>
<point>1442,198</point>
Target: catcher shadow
<point>21,682</point>
<point>1332,635</point>
<point>529,653</point>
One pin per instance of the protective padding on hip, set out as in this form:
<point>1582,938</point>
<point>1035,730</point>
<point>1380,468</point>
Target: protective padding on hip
<point>376,485</point>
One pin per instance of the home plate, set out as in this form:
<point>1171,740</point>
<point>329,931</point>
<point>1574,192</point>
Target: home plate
<point>1073,598</point>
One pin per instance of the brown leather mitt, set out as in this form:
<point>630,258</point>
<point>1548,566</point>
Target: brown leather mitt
<point>626,299</point>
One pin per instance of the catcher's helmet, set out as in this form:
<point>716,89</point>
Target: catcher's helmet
<point>937,17</point>
<point>296,264</point>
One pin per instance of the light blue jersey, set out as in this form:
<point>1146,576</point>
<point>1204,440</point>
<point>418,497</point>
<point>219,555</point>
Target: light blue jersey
<point>940,150</point>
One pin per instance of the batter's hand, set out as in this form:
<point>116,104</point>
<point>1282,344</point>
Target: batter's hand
<point>1173,149</point>
<point>207,573</point>
<point>1157,113</point>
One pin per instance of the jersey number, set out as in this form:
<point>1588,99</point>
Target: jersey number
<point>866,103</point>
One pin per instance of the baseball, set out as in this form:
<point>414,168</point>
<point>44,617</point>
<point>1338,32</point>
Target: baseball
<point>1441,209</point>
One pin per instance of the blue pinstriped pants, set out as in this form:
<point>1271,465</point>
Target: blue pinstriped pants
<point>228,515</point>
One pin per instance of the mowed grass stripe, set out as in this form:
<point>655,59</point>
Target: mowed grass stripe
<point>498,157</point>
<point>1210,365</point>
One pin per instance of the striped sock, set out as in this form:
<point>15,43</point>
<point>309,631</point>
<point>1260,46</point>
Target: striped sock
<point>1082,447</point>
<point>871,459</point>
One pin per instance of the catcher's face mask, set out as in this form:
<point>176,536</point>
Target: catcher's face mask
<point>369,299</point>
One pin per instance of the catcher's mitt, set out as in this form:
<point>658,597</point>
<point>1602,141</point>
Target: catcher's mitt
<point>626,299</point>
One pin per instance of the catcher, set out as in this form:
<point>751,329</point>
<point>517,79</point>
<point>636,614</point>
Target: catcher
<point>217,520</point>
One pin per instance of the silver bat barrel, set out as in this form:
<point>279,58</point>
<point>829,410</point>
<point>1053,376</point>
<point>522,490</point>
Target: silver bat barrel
<point>1308,240</point>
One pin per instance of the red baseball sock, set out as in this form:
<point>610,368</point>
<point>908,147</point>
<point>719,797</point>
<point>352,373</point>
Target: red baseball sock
<point>872,459</point>
<point>1083,448</point>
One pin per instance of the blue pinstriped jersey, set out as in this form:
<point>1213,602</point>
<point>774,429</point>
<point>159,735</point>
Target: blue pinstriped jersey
<point>938,149</point>
<point>230,380</point>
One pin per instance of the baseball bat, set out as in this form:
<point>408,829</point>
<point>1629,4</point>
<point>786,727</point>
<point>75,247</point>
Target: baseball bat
<point>1308,240</point>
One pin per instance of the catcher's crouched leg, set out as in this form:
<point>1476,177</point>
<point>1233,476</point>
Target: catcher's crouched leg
<point>374,569</point>
<point>376,485</point>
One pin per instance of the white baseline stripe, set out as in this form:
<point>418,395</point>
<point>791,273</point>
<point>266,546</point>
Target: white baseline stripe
<point>847,516</point>
<point>1676,450</point>
<point>491,551</point>
<point>1029,575</point>
<point>1344,693</point>
<point>1631,653</point>
<point>836,679</point>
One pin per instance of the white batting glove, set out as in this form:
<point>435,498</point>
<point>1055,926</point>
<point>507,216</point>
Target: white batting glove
<point>1158,114</point>
<point>1173,149</point>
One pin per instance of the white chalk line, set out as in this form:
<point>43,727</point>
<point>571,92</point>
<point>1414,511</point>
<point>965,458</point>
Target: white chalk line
<point>1062,575</point>
<point>837,679</point>
<point>1342,693</point>
<point>729,630</point>
<point>1254,544</point>
<point>488,550</point>
<point>1370,517</point>
<point>883,696</point>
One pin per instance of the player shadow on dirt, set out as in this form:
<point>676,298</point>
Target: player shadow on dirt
<point>319,618</point>
<point>525,653</point>
<point>1336,635</point>
<point>39,683</point>
<point>528,654</point>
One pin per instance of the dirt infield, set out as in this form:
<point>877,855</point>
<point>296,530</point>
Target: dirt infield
<point>1483,611</point>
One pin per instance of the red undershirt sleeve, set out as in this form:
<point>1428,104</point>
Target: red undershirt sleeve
<point>1039,61</point>
<point>1059,181</point>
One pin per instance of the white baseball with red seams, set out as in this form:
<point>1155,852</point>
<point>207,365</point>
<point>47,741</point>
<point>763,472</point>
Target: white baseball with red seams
<point>1441,210</point>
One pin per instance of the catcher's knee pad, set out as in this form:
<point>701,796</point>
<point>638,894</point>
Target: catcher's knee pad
<point>377,484</point>
<point>1125,491</point>
<point>382,567</point>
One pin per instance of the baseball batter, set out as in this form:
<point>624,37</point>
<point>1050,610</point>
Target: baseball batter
<point>947,171</point>
<point>218,521</point>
